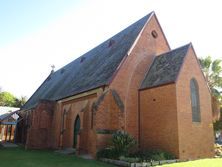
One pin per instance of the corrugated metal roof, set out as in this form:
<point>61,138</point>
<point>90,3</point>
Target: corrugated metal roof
<point>93,69</point>
<point>165,68</point>
<point>4,109</point>
<point>7,111</point>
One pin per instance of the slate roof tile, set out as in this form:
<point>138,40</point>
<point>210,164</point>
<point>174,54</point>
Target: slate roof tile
<point>93,69</point>
<point>165,68</point>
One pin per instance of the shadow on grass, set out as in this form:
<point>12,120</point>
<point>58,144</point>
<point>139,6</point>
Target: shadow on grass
<point>19,157</point>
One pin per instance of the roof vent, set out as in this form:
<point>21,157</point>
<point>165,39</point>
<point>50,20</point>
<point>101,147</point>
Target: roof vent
<point>154,34</point>
<point>111,42</point>
<point>62,71</point>
<point>82,59</point>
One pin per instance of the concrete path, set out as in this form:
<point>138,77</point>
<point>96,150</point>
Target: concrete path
<point>66,151</point>
<point>8,145</point>
<point>86,156</point>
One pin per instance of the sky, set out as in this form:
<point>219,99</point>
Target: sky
<point>36,34</point>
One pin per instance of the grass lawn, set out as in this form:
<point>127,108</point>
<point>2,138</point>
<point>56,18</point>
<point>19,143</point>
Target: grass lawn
<point>216,162</point>
<point>18,157</point>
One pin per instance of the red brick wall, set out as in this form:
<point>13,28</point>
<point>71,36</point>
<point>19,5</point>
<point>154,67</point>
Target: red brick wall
<point>79,107</point>
<point>56,124</point>
<point>158,129</point>
<point>195,139</point>
<point>158,119</point>
<point>108,118</point>
<point>39,134</point>
<point>166,115</point>
<point>130,75</point>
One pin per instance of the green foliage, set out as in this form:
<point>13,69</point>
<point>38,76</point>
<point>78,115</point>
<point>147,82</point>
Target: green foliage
<point>107,153</point>
<point>156,155</point>
<point>213,72</point>
<point>20,101</point>
<point>8,99</point>
<point>130,159</point>
<point>218,124</point>
<point>122,142</point>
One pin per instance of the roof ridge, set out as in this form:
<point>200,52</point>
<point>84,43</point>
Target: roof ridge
<point>110,38</point>
<point>175,49</point>
<point>95,70</point>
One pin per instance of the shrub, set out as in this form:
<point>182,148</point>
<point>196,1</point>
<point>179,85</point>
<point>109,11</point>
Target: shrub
<point>107,153</point>
<point>122,142</point>
<point>218,150</point>
<point>155,155</point>
<point>129,159</point>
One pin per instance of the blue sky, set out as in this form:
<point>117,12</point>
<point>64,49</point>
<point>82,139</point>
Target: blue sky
<point>22,17</point>
<point>34,34</point>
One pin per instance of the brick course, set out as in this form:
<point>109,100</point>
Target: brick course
<point>158,118</point>
<point>195,139</point>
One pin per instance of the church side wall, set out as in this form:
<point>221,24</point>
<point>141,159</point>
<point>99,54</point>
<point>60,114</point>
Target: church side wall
<point>39,122</point>
<point>195,138</point>
<point>158,119</point>
<point>132,71</point>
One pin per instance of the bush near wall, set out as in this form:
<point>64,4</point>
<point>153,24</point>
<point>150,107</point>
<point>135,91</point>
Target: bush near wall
<point>122,142</point>
<point>153,155</point>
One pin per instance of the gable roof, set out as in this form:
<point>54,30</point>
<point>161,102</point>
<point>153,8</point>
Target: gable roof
<point>165,68</point>
<point>92,70</point>
<point>6,112</point>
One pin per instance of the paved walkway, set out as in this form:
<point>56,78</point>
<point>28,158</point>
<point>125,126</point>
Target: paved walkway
<point>86,156</point>
<point>66,151</point>
<point>8,145</point>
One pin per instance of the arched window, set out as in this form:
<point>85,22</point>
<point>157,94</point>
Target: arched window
<point>195,103</point>
<point>76,131</point>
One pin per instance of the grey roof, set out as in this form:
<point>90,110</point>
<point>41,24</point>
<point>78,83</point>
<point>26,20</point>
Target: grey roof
<point>165,68</point>
<point>93,69</point>
<point>7,115</point>
<point>5,109</point>
<point>3,116</point>
<point>6,112</point>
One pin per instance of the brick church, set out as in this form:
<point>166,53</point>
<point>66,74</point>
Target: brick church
<point>134,82</point>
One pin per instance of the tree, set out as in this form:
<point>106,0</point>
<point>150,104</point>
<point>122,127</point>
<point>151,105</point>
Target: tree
<point>213,73</point>
<point>7,99</point>
<point>19,102</point>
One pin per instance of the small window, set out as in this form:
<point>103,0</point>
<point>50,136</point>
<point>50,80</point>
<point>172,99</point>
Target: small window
<point>154,34</point>
<point>195,103</point>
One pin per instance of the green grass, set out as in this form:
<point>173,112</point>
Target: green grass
<point>19,157</point>
<point>216,162</point>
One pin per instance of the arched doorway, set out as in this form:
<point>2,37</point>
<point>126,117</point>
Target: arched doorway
<point>76,131</point>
